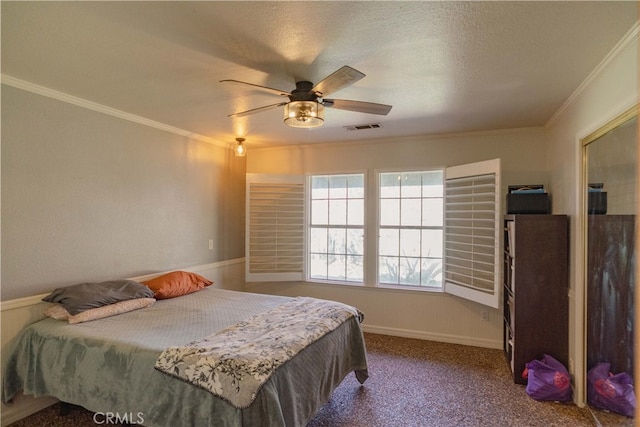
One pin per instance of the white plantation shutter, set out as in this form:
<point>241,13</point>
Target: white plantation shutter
<point>472,232</point>
<point>274,227</point>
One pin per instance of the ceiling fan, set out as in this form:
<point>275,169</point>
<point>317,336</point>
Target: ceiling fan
<point>305,107</point>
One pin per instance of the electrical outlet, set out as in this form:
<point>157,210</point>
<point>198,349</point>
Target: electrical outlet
<point>210,244</point>
<point>484,315</point>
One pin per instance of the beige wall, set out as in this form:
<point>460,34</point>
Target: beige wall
<point>87,196</point>
<point>523,154</point>
<point>412,313</point>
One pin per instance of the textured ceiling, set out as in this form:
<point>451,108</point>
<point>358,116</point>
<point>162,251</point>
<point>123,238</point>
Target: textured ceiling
<point>444,66</point>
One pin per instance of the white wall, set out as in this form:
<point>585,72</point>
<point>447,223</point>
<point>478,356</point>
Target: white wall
<point>87,197</point>
<point>412,313</point>
<point>611,89</point>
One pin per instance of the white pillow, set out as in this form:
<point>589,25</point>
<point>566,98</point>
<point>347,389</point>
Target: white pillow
<point>58,312</point>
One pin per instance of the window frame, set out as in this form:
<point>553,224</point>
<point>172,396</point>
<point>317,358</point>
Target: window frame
<point>308,213</point>
<point>378,227</point>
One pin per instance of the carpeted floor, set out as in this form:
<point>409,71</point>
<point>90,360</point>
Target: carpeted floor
<point>418,383</point>
<point>424,383</point>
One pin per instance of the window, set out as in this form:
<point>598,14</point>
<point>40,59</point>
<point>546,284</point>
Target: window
<point>336,228</point>
<point>274,246</point>
<point>410,228</point>
<point>472,232</point>
<point>436,229</point>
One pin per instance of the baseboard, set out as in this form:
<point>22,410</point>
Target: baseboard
<point>452,339</point>
<point>23,406</point>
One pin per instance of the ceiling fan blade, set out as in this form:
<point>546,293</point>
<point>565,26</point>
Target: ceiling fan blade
<point>359,106</point>
<point>339,79</point>
<point>262,88</point>
<point>258,110</point>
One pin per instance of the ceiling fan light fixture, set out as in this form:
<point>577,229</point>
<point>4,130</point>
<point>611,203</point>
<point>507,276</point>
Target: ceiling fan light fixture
<point>240,150</point>
<point>304,114</point>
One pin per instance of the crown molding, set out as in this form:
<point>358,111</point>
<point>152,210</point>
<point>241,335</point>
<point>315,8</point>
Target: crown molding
<point>625,43</point>
<point>89,105</point>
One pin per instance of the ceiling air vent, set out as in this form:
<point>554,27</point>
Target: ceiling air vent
<point>363,127</point>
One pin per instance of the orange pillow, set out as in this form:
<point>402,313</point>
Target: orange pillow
<point>176,283</point>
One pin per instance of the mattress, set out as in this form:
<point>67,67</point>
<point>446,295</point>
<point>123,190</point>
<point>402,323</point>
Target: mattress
<point>107,365</point>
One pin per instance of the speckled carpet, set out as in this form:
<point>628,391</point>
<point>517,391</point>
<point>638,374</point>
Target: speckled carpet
<point>418,383</point>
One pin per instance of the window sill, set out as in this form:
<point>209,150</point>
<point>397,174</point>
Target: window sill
<point>410,288</point>
<point>385,288</point>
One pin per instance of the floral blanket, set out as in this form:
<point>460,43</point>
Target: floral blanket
<point>234,363</point>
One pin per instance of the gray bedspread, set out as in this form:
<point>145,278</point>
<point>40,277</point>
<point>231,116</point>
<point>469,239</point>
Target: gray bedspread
<point>107,365</point>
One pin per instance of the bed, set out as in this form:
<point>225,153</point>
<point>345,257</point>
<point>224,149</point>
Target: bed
<point>109,365</point>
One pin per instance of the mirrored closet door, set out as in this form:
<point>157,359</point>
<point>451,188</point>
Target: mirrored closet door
<point>611,194</point>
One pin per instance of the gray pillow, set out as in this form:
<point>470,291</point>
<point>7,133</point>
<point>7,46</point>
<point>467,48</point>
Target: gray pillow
<point>84,296</point>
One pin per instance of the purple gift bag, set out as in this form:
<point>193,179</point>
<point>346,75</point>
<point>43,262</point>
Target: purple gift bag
<point>611,392</point>
<point>548,379</point>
